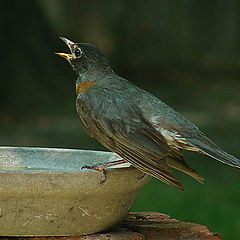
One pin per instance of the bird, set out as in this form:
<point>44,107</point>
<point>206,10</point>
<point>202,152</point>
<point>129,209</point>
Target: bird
<point>133,123</point>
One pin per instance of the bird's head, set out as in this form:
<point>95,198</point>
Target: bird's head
<point>85,57</point>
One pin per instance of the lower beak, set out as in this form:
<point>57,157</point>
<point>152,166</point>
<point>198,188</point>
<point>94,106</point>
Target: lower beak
<point>65,55</point>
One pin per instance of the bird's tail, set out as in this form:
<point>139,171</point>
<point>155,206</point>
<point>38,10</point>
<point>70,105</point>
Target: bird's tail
<point>209,148</point>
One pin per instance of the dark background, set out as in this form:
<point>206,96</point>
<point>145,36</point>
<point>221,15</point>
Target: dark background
<point>185,52</point>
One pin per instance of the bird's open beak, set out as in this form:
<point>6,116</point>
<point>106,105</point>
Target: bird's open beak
<point>70,46</point>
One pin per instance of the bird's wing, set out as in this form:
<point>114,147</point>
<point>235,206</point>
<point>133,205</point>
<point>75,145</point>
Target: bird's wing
<point>148,152</point>
<point>135,142</point>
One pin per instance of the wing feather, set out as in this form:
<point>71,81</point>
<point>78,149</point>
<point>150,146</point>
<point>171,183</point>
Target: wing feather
<point>142,148</point>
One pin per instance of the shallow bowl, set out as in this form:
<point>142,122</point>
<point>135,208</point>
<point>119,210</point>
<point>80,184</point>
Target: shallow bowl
<point>44,192</point>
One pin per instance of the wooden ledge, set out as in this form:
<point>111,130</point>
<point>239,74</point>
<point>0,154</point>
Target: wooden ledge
<point>144,225</point>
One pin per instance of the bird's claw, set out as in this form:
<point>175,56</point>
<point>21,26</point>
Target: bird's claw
<point>99,168</point>
<point>142,175</point>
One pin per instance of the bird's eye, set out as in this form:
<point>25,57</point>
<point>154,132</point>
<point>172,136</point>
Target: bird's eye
<point>78,52</point>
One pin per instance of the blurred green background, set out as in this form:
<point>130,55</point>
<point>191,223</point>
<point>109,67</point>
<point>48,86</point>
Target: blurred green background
<point>185,52</point>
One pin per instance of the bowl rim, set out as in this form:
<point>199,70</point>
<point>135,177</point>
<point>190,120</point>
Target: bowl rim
<point>64,150</point>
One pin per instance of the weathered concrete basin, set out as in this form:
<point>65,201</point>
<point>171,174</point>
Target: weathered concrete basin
<point>43,191</point>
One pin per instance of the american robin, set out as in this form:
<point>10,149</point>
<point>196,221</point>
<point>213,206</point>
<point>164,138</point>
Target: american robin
<point>133,123</point>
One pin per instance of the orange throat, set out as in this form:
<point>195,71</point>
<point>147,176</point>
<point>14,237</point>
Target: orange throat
<point>84,86</point>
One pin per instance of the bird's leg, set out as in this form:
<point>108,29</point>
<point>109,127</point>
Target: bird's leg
<point>101,167</point>
<point>141,176</point>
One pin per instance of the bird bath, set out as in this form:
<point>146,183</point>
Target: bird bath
<point>44,192</point>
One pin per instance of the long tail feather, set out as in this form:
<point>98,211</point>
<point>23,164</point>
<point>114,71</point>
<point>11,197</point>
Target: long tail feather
<point>212,150</point>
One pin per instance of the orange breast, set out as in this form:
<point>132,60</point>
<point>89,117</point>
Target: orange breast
<point>84,86</point>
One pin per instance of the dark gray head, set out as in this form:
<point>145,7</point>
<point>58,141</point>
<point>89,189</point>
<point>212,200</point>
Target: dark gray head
<point>85,57</point>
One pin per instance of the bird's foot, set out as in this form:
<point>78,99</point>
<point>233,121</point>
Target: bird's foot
<point>101,168</point>
<point>142,175</point>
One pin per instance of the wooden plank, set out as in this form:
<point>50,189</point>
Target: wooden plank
<point>141,226</point>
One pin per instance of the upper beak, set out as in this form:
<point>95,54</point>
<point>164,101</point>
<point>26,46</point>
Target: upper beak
<point>70,45</point>
<point>68,42</point>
